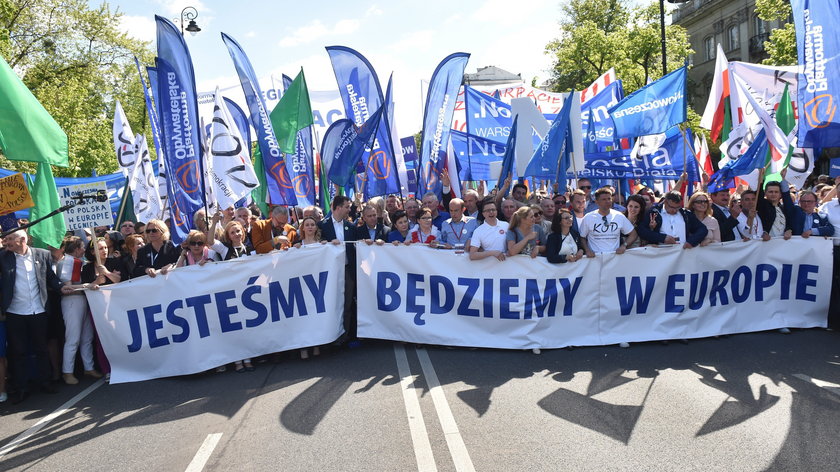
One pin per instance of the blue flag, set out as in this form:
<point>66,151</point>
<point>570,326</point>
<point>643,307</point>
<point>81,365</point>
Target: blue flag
<point>653,108</point>
<point>599,132</point>
<point>361,94</point>
<point>349,147</point>
<point>546,158</point>
<point>661,160</point>
<point>508,167</point>
<point>487,117</point>
<point>280,187</point>
<point>437,120</point>
<point>301,163</point>
<point>818,47</point>
<point>150,110</point>
<point>180,134</point>
<point>475,154</point>
<point>754,158</point>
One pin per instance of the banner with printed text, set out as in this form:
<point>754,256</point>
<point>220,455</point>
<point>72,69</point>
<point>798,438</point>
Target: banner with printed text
<point>428,296</point>
<point>206,316</point>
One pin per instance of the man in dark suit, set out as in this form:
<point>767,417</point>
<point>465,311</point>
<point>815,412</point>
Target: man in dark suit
<point>25,276</point>
<point>370,228</point>
<point>726,217</point>
<point>681,227</point>
<point>807,221</point>
<point>337,227</point>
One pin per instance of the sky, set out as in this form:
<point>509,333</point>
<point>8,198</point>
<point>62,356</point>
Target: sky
<point>406,38</point>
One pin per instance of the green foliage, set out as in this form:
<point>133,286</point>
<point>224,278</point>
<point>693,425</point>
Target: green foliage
<point>77,63</point>
<point>782,43</point>
<point>598,34</point>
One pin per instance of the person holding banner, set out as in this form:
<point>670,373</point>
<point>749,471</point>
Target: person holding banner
<point>158,253</point>
<point>309,234</point>
<point>670,223</point>
<point>128,261</point>
<point>232,245</point>
<point>700,205</point>
<point>749,223</point>
<point>78,326</point>
<point>523,235</point>
<point>634,212</point>
<point>726,214</point>
<point>425,232</point>
<point>601,230</point>
<point>400,232</point>
<point>338,230</point>
<point>372,230</point>
<point>775,207</point>
<point>563,243</point>
<point>195,250</point>
<point>98,271</point>
<point>489,239</point>
<point>458,229</point>
<point>810,222</point>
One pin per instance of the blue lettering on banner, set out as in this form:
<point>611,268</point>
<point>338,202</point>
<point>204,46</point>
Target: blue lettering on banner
<point>414,292</point>
<point>741,285</point>
<point>234,310</point>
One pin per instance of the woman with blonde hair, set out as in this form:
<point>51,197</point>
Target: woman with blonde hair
<point>701,205</point>
<point>524,236</point>
<point>195,250</point>
<point>159,252</point>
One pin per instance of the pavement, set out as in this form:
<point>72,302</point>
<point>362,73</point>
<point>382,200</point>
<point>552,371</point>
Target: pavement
<point>760,401</point>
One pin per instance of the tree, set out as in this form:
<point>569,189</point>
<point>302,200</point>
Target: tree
<point>782,43</point>
<point>598,34</point>
<point>77,63</point>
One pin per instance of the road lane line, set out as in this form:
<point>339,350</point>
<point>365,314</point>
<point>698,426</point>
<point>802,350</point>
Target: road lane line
<point>204,452</point>
<point>45,420</point>
<point>419,436</point>
<point>457,448</point>
<point>831,387</point>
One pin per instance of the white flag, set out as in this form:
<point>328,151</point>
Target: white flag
<point>143,184</point>
<point>231,173</point>
<point>123,141</point>
<point>779,141</point>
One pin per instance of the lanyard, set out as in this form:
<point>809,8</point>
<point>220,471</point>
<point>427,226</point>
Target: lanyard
<point>460,232</point>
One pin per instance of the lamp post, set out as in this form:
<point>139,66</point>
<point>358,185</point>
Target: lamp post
<point>189,14</point>
<point>662,31</point>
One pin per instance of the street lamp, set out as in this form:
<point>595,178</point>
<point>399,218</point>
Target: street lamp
<point>190,14</point>
<point>662,31</point>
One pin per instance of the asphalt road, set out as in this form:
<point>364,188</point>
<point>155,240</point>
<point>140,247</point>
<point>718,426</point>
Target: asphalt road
<point>762,401</point>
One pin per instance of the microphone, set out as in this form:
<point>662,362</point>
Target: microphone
<point>99,196</point>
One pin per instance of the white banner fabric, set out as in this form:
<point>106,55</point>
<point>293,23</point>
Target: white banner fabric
<point>427,296</point>
<point>199,317</point>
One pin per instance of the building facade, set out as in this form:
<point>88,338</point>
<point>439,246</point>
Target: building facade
<point>733,24</point>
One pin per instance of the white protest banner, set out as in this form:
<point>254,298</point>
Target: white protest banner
<point>88,212</point>
<point>427,296</point>
<point>671,293</point>
<point>200,317</point>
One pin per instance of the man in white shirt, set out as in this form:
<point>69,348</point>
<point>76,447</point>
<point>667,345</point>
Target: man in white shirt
<point>750,225</point>
<point>488,240</point>
<point>601,230</point>
<point>27,274</point>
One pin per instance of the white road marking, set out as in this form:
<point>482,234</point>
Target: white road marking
<point>204,452</point>
<point>454,441</point>
<point>45,420</point>
<point>419,436</point>
<point>831,387</point>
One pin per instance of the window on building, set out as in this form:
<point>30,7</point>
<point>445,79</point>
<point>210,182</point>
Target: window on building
<point>760,25</point>
<point>709,47</point>
<point>733,37</point>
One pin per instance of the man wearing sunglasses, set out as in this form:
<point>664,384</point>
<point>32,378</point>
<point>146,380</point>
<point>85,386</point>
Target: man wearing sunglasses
<point>673,224</point>
<point>601,230</point>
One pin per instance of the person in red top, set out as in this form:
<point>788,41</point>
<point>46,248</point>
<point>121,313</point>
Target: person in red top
<point>425,232</point>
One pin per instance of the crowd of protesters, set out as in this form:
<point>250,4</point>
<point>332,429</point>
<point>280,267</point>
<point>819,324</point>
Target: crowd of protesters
<point>45,317</point>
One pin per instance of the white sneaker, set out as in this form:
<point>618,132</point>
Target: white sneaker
<point>625,344</point>
<point>536,350</point>
<point>784,331</point>
<point>3,397</point>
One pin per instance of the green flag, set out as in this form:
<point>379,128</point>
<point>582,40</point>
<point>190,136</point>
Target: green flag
<point>292,113</point>
<point>126,212</point>
<point>45,195</point>
<point>727,121</point>
<point>27,131</point>
<point>786,122</point>
<point>259,193</point>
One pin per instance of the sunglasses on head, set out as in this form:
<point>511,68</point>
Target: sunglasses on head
<point>152,230</point>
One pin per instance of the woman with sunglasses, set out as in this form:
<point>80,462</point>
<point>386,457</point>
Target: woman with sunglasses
<point>159,252</point>
<point>564,242</point>
<point>196,250</point>
<point>700,205</point>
